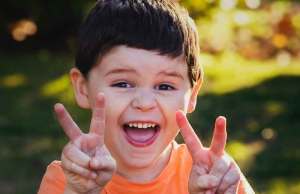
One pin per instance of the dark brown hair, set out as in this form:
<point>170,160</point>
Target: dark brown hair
<point>156,25</point>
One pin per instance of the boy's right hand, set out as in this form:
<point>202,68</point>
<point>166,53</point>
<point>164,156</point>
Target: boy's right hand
<point>87,163</point>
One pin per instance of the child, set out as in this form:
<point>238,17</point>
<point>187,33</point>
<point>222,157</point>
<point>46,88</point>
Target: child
<point>137,69</point>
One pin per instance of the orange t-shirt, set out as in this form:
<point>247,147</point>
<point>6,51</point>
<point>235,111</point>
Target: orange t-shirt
<point>173,179</point>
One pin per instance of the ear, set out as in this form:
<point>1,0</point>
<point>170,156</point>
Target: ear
<point>194,95</point>
<point>80,88</point>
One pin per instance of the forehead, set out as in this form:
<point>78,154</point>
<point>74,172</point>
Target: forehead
<point>142,61</point>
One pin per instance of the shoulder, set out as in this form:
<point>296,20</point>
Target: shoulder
<point>53,180</point>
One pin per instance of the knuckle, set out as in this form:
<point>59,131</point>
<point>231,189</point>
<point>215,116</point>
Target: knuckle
<point>220,166</point>
<point>67,149</point>
<point>72,166</point>
<point>228,179</point>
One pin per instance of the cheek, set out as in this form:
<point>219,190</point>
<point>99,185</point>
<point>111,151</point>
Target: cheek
<point>171,104</point>
<point>177,101</point>
<point>115,106</point>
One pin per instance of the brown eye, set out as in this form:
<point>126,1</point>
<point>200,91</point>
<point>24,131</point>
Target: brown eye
<point>122,85</point>
<point>165,87</point>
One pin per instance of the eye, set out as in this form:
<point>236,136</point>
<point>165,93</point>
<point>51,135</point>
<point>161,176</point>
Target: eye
<point>121,85</point>
<point>165,87</point>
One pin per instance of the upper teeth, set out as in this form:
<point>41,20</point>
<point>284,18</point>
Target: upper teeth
<point>141,125</point>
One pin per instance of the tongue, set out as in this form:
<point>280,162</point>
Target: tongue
<point>140,135</point>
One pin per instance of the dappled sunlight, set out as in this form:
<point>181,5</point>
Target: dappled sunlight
<point>13,80</point>
<point>244,153</point>
<point>250,51</point>
<point>274,108</point>
<point>230,72</point>
<point>282,186</point>
<point>59,88</point>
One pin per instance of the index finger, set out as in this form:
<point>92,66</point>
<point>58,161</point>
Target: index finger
<point>191,139</point>
<point>65,120</point>
<point>218,142</point>
<point>98,116</point>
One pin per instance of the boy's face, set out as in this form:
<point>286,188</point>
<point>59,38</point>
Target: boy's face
<point>142,91</point>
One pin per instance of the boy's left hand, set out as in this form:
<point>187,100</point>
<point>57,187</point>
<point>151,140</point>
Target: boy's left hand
<point>213,171</point>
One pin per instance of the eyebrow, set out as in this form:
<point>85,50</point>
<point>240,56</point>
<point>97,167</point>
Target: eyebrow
<point>120,70</point>
<point>171,74</point>
<point>129,70</point>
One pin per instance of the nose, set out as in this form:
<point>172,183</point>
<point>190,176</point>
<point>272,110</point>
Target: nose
<point>144,100</point>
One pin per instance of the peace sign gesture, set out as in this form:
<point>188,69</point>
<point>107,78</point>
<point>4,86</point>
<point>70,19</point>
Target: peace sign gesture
<point>86,161</point>
<point>213,171</point>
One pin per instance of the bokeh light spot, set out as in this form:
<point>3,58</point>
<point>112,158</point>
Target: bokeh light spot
<point>268,133</point>
<point>227,4</point>
<point>274,108</point>
<point>14,80</point>
<point>241,18</point>
<point>56,86</point>
<point>245,153</point>
<point>23,28</point>
<point>283,58</point>
<point>279,40</point>
<point>252,4</point>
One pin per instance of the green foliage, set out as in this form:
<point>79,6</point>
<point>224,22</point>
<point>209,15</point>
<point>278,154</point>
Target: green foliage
<point>250,54</point>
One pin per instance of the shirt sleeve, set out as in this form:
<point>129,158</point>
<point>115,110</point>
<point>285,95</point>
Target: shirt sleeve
<point>53,180</point>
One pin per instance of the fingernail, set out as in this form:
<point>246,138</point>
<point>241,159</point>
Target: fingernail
<point>58,107</point>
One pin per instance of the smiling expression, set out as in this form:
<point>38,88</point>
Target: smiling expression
<point>143,90</point>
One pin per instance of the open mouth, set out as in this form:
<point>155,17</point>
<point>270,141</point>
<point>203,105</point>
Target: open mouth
<point>141,134</point>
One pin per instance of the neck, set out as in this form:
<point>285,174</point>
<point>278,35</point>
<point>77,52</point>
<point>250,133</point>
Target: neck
<point>149,172</point>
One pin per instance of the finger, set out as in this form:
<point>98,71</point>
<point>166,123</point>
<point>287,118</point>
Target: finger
<point>66,122</point>
<point>232,177</point>
<point>98,117</point>
<point>74,154</point>
<point>206,181</point>
<point>191,139</point>
<point>103,178</point>
<point>232,189</point>
<point>200,169</point>
<point>103,161</point>
<point>220,167</point>
<point>209,191</point>
<point>71,166</point>
<point>218,142</point>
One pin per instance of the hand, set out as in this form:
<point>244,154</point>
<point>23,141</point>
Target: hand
<point>213,171</point>
<point>86,161</point>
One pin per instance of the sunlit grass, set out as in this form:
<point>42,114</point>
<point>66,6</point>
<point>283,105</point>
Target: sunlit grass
<point>250,133</point>
<point>283,186</point>
<point>229,72</point>
<point>60,88</point>
<point>244,153</point>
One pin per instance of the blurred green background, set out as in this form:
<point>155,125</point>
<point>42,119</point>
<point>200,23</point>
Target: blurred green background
<point>251,57</point>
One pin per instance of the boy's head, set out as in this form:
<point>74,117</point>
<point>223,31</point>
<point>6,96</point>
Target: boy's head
<point>155,25</point>
<point>143,55</point>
